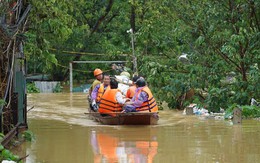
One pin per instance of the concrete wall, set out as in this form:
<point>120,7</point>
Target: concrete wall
<point>46,87</point>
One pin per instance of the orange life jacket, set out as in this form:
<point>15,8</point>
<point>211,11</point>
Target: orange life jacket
<point>149,105</point>
<point>108,103</point>
<point>101,91</point>
<point>131,91</point>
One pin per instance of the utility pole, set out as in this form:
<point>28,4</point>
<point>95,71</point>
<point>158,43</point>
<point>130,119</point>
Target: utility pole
<point>133,50</point>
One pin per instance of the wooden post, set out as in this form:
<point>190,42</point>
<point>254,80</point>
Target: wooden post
<point>237,116</point>
<point>189,111</point>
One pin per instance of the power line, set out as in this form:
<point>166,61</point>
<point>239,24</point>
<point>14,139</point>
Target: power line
<point>66,67</point>
<point>85,53</point>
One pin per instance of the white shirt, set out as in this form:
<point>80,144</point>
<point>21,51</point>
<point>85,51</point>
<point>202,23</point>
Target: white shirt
<point>123,88</point>
<point>120,98</point>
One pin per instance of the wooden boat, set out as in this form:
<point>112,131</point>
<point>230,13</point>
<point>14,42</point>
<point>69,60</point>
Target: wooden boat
<point>132,118</point>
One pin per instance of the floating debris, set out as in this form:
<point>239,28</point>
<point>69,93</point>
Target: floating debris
<point>202,112</point>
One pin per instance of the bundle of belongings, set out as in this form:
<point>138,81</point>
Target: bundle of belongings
<point>123,82</point>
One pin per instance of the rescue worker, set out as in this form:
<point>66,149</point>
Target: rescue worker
<point>99,90</point>
<point>112,100</point>
<point>99,76</point>
<point>143,99</point>
<point>131,90</point>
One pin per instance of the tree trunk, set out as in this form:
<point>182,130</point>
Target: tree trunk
<point>243,72</point>
<point>132,19</point>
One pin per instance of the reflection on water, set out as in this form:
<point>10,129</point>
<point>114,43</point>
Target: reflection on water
<point>65,134</point>
<point>116,147</point>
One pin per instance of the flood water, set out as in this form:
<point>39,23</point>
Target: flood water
<point>65,134</point>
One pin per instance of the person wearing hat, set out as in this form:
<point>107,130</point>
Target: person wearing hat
<point>100,89</point>
<point>99,76</point>
<point>131,90</point>
<point>143,99</point>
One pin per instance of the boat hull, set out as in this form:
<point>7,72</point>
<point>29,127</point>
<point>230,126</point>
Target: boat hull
<point>133,118</point>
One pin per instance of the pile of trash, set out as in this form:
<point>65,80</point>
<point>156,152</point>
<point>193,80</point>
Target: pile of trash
<point>200,111</point>
<point>251,110</point>
<point>197,110</point>
<point>254,102</point>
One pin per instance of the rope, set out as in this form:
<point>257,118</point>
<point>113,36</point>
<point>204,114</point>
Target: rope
<point>66,67</point>
<point>84,53</point>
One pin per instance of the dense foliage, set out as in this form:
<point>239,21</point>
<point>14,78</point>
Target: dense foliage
<point>220,38</point>
<point>6,154</point>
<point>247,111</point>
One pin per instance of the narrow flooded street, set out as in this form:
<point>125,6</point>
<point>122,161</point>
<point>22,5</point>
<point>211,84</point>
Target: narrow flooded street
<point>65,134</point>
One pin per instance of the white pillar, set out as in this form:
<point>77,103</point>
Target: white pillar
<point>71,80</point>
<point>133,50</point>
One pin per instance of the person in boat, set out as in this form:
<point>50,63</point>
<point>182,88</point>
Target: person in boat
<point>143,100</point>
<point>131,90</point>
<point>98,74</point>
<point>123,82</point>
<point>112,100</point>
<point>99,90</point>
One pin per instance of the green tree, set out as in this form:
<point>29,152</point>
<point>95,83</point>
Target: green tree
<point>70,26</point>
<point>220,38</point>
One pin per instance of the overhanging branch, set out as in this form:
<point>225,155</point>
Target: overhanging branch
<point>99,21</point>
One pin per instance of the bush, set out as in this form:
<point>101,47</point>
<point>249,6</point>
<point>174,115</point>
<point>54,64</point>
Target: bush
<point>58,88</point>
<point>28,135</point>
<point>31,88</point>
<point>5,154</point>
<point>247,111</point>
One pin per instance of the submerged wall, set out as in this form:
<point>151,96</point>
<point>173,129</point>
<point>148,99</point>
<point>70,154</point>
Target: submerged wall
<point>46,86</point>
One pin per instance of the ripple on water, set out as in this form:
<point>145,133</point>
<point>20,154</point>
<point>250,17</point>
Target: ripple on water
<point>60,125</point>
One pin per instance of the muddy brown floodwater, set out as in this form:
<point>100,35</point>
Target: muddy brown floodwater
<point>64,134</point>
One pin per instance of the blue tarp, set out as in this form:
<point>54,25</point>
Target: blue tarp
<point>82,88</point>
